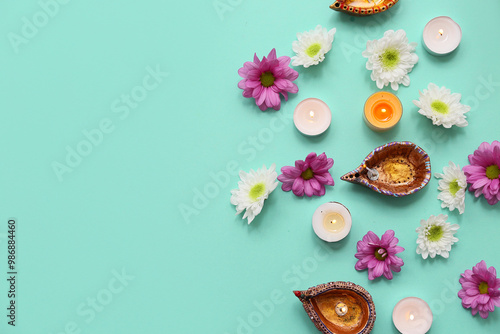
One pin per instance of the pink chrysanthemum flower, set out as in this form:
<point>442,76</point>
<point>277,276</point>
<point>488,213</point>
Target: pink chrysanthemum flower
<point>483,173</point>
<point>379,255</point>
<point>308,177</point>
<point>265,79</point>
<point>480,289</point>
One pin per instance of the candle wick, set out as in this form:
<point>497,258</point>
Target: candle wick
<point>372,174</point>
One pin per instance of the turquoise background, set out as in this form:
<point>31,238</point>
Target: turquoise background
<point>118,212</point>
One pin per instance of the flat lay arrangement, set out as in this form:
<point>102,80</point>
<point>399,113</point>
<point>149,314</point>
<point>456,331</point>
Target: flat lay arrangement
<point>250,167</point>
<point>394,169</point>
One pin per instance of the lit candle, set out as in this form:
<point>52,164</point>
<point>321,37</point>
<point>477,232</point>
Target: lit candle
<point>442,36</point>
<point>332,221</point>
<point>383,110</point>
<point>312,117</point>
<point>412,315</point>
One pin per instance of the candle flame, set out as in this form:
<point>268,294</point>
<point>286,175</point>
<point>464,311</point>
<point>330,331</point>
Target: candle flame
<point>383,110</point>
<point>441,31</point>
<point>311,114</point>
<point>412,317</point>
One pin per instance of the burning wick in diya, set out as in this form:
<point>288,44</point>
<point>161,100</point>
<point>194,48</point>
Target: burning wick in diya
<point>382,111</point>
<point>341,309</point>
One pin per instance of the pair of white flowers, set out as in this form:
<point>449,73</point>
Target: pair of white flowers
<point>436,235</point>
<point>390,58</point>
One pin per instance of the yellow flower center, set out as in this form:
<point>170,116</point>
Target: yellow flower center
<point>440,107</point>
<point>483,288</point>
<point>435,233</point>
<point>492,172</point>
<point>380,254</point>
<point>390,59</point>
<point>307,174</point>
<point>267,79</point>
<point>313,49</point>
<point>454,187</point>
<point>257,191</point>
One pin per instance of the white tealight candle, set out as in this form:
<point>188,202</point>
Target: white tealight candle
<point>442,36</point>
<point>412,315</point>
<point>332,221</point>
<point>312,117</point>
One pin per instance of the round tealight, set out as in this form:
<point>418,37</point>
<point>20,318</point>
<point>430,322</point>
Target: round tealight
<point>382,111</point>
<point>412,315</point>
<point>312,117</point>
<point>441,36</point>
<point>332,221</point>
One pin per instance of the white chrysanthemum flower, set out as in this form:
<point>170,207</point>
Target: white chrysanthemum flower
<point>435,236</point>
<point>311,46</point>
<point>390,59</point>
<point>253,189</point>
<point>442,107</point>
<point>452,187</point>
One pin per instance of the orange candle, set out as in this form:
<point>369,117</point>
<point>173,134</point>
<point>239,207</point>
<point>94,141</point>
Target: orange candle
<point>383,110</point>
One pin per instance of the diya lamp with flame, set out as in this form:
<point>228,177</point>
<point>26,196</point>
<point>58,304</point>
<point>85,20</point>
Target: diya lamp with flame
<point>339,307</point>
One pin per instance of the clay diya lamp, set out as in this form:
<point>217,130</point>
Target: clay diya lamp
<point>339,308</point>
<point>394,169</point>
<point>362,7</point>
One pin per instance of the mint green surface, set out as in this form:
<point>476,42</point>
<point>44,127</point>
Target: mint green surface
<point>117,212</point>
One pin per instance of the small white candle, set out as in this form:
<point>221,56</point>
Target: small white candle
<point>332,221</point>
<point>412,315</point>
<point>442,36</point>
<point>312,117</point>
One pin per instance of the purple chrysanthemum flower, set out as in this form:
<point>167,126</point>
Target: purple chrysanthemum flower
<point>379,255</point>
<point>265,79</point>
<point>308,177</point>
<point>483,173</point>
<point>480,289</point>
